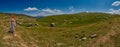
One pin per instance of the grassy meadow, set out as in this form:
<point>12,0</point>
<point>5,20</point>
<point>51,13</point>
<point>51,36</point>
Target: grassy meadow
<point>68,30</point>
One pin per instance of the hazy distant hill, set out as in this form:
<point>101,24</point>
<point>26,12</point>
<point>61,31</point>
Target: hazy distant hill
<point>71,30</point>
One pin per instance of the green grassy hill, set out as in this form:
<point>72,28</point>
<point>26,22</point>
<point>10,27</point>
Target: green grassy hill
<point>68,31</point>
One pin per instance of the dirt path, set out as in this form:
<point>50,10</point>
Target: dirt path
<point>105,41</point>
<point>13,40</point>
<point>34,41</point>
<point>16,40</point>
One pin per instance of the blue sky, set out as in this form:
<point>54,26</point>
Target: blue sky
<point>51,7</point>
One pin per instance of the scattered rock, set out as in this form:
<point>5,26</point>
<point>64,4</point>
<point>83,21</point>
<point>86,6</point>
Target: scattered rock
<point>82,38</point>
<point>59,44</point>
<point>20,23</point>
<point>36,24</point>
<point>93,35</point>
<point>52,25</point>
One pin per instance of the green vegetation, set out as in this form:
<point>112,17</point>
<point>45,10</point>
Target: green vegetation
<point>116,40</point>
<point>68,30</point>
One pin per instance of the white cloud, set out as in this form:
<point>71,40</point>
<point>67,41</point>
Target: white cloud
<point>71,9</point>
<point>48,11</point>
<point>115,11</point>
<point>116,3</point>
<point>58,11</point>
<point>31,9</point>
<point>112,11</point>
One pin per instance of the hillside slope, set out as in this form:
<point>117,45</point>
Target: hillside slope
<point>69,31</point>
